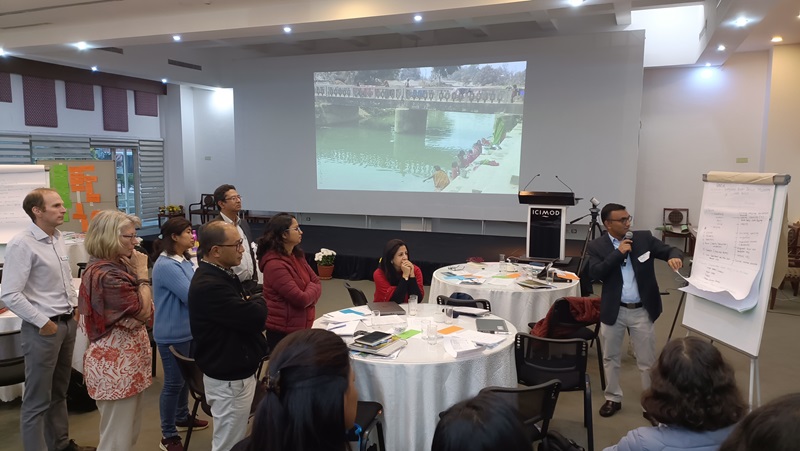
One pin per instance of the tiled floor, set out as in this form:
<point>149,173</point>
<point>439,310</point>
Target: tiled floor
<point>779,364</point>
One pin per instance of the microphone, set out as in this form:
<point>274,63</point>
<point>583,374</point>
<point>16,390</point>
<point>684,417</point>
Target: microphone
<point>628,236</point>
<point>526,186</point>
<point>562,182</point>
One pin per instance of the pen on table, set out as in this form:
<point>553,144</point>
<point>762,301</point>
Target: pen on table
<point>340,325</point>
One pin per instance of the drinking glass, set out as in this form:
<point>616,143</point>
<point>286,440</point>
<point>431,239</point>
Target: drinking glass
<point>431,333</point>
<point>551,273</point>
<point>376,318</point>
<point>400,325</point>
<point>412,305</point>
<point>448,315</point>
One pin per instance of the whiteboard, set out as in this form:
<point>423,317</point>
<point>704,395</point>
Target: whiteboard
<point>16,181</point>
<point>741,330</point>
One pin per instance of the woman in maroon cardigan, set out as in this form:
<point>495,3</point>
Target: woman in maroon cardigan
<point>291,288</point>
<point>396,277</point>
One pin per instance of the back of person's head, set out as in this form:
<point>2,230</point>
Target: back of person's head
<point>771,427</point>
<point>386,265</point>
<point>305,407</point>
<point>483,423</point>
<point>694,387</point>
<point>274,234</point>
<point>165,242</point>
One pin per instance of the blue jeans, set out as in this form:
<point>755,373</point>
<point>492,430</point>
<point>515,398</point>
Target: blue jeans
<point>174,401</point>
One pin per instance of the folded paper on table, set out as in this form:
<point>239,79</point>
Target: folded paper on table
<point>481,338</point>
<point>471,311</point>
<point>458,347</point>
<point>343,329</point>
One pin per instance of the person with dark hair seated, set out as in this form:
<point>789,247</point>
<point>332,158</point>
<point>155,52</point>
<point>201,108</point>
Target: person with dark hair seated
<point>291,288</point>
<point>311,399</point>
<point>771,427</point>
<point>483,423</point>
<point>396,277</point>
<point>693,394</point>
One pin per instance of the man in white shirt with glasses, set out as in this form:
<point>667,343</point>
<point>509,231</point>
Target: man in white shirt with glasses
<point>230,206</point>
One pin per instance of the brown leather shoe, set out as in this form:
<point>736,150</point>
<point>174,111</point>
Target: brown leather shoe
<point>610,408</point>
<point>646,415</point>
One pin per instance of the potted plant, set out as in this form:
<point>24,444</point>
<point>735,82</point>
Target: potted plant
<point>324,259</point>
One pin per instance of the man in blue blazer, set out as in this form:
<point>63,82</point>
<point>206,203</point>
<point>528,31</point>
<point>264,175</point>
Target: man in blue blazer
<point>623,261</point>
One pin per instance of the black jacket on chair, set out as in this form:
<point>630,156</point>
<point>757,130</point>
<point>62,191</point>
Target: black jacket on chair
<point>605,264</point>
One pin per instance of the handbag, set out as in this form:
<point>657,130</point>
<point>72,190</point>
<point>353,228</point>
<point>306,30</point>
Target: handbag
<point>555,441</point>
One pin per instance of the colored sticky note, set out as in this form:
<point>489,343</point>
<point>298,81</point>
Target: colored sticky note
<point>347,310</point>
<point>450,330</point>
<point>84,225</point>
<point>94,213</point>
<point>79,209</point>
<point>93,198</point>
<point>408,334</point>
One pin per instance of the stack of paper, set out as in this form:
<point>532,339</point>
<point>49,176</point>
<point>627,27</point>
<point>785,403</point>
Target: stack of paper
<point>459,347</point>
<point>480,338</point>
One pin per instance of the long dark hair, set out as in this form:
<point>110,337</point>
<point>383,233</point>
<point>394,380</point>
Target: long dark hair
<point>309,373</point>
<point>173,226</point>
<point>694,387</point>
<point>483,423</point>
<point>272,239</point>
<point>386,260</point>
<point>771,427</point>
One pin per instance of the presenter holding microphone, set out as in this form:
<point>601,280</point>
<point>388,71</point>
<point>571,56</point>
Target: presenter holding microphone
<point>630,300</point>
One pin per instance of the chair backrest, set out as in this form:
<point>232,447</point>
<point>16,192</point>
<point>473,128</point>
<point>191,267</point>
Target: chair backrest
<point>12,360</point>
<point>207,201</point>
<point>193,376</point>
<point>542,359</point>
<point>534,405</point>
<point>357,296</point>
<point>459,295</point>
<point>476,303</point>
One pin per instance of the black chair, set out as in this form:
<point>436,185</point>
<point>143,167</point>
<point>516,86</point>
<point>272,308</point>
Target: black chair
<point>12,360</point>
<point>194,379</point>
<point>369,417</point>
<point>81,268</point>
<point>541,359</point>
<point>562,317</point>
<point>206,208</point>
<point>534,404</point>
<point>357,296</point>
<point>475,303</point>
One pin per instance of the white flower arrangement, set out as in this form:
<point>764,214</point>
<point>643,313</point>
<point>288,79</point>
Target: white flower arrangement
<point>325,257</point>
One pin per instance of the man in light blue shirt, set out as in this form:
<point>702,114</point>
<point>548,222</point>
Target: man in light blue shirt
<point>37,287</point>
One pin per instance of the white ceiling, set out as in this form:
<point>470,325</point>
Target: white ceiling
<point>216,31</point>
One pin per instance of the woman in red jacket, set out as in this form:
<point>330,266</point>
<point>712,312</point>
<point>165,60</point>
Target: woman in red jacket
<point>291,288</point>
<point>396,277</point>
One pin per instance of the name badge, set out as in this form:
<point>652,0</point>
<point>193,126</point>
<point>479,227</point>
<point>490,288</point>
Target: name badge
<point>64,258</point>
<point>644,257</point>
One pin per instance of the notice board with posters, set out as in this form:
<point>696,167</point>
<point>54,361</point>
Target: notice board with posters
<point>86,186</point>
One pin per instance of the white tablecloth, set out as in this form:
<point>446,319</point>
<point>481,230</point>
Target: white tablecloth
<point>10,322</point>
<point>519,305</point>
<point>424,380</point>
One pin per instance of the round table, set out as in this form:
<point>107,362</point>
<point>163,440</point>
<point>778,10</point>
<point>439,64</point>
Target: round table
<point>424,380</point>
<point>520,304</point>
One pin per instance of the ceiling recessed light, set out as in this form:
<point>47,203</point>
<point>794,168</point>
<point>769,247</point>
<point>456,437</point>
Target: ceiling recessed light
<point>94,68</point>
<point>417,18</point>
<point>176,37</point>
<point>708,64</point>
<point>164,80</point>
<point>2,52</point>
<point>741,22</point>
<point>776,39</point>
<point>287,29</point>
<point>81,45</point>
<point>575,2</point>
<point>721,48</point>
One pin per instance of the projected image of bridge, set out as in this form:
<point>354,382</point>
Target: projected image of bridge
<point>447,128</point>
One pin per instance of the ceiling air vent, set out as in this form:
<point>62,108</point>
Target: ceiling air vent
<point>111,49</point>
<point>186,65</point>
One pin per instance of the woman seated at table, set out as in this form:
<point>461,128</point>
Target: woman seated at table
<point>396,277</point>
<point>693,394</point>
<point>116,302</point>
<point>483,423</point>
<point>311,398</point>
<point>291,288</point>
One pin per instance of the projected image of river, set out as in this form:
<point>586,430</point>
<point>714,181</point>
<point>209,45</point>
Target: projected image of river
<point>370,155</point>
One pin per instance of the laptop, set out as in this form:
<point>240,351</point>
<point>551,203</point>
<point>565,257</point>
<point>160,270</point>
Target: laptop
<point>491,326</point>
<point>387,308</point>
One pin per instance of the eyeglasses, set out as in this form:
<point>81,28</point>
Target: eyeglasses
<point>130,237</point>
<point>234,198</point>
<point>237,245</point>
<point>622,220</point>
<point>295,228</point>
